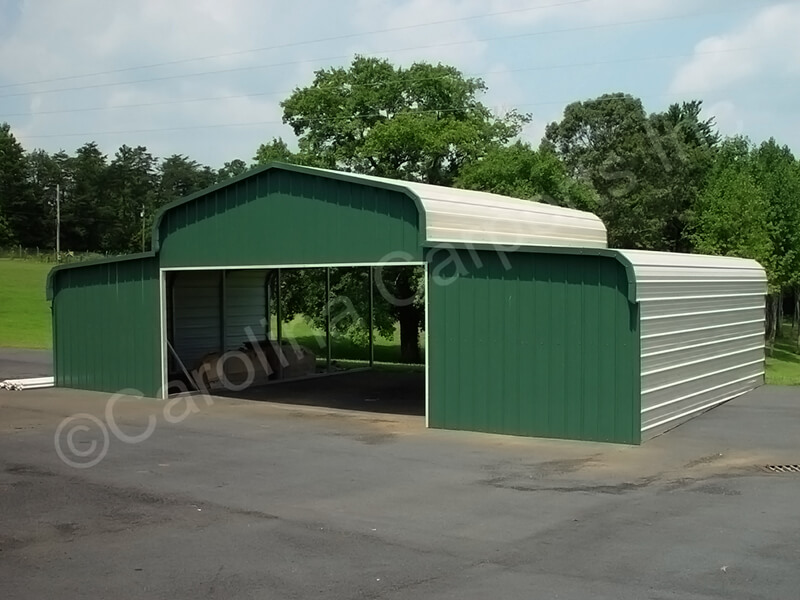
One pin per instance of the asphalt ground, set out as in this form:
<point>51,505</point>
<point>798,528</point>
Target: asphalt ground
<point>236,498</point>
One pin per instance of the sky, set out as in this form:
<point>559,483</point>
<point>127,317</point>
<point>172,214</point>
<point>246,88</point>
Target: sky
<point>205,78</point>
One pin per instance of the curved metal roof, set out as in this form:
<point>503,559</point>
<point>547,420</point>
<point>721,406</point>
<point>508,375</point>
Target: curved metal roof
<point>464,216</point>
<point>659,273</point>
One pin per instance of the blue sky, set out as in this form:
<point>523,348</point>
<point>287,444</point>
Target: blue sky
<point>741,57</point>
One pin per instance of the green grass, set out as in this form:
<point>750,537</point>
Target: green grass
<point>783,367</point>
<point>387,350</point>
<point>24,310</point>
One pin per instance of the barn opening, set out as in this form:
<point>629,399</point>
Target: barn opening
<point>338,336</point>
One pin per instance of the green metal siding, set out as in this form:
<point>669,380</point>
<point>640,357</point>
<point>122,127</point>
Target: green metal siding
<point>541,345</point>
<point>280,217</point>
<point>106,327</point>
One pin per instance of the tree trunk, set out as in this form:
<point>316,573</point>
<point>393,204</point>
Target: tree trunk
<point>410,317</point>
<point>409,334</point>
<point>770,325</point>
<point>797,314</point>
<point>779,315</point>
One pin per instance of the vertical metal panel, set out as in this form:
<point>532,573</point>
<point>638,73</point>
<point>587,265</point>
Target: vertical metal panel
<point>282,217</point>
<point>196,315</point>
<point>702,333</point>
<point>245,305</point>
<point>106,326</point>
<point>533,344</point>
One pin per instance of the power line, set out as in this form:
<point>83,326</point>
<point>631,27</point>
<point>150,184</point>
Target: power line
<point>324,120</point>
<point>410,48</point>
<point>300,43</point>
<point>377,84</point>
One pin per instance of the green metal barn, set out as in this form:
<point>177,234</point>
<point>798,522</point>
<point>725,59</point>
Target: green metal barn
<point>533,326</point>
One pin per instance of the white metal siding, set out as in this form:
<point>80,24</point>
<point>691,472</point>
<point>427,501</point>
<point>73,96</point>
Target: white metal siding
<point>455,215</point>
<point>702,333</point>
<point>245,307</point>
<point>196,318</point>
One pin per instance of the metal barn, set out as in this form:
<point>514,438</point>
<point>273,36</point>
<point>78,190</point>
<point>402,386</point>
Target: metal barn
<point>533,326</point>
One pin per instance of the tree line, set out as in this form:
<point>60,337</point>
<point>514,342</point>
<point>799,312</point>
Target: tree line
<point>660,181</point>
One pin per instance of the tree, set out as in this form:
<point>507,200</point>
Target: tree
<point>522,172</point>
<point>131,180</point>
<point>85,209</point>
<point>179,176</point>
<point>44,176</point>
<point>421,123</point>
<point>17,203</point>
<point>647,170</point>
<point>230,169</point>
<point>274,151</point>
<point>6,235</point>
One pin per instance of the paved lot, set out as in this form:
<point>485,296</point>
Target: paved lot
<point>17,364</point>
<point>255,500</point>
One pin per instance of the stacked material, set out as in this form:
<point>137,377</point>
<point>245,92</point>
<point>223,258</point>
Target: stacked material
<point>26,384</point>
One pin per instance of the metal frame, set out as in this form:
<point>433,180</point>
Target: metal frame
<point>372,265</point>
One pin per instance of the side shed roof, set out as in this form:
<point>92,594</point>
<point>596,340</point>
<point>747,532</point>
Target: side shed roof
<point>659,273</point>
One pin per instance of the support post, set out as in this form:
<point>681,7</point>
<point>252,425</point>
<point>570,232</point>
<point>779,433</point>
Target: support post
<point>279,324</point>
<point>328,317</point>
<point>371,316</point>
<point>58,223</point>
<point>222,310</point>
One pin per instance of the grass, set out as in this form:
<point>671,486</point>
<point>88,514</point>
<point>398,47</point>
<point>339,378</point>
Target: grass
<point>24,310</point>
<point>783,367</point>
<point>387,350</point>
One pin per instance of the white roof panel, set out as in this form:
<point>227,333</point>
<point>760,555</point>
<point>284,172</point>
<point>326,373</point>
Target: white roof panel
<point>654,268</point>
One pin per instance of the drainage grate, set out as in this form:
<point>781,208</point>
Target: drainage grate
<point>783,468</point>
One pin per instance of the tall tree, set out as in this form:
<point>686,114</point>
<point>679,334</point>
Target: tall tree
<point>45,176</point>
<point>647,170</point>
<point>232,168</point>
<point>179,176</point>
<point>131,181</point>
<point>421,123</point>
<point>85,210</point>
<point>17,203</point>
<point>276,150</point>
<point>522,172</point>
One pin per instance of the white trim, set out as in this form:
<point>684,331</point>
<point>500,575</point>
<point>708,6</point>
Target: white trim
<point>651,336</point>
<point>427,350</point>
<point>701,313</point>
<point>701,297</point>
<point>297,266</point>
<point>162,292</point>
<point>702,345</point>
<point>700,360</point>
<point>701,392</point>
<point>699,377</point>
<point>693,411</point>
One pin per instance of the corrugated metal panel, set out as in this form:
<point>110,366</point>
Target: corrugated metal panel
<point>196,318</point>
<point>543,345</point>
<point>455,215</point>
<point>106,327</point>
<point>702,330</point>
<point>279,217</point>
<point>245,307</point>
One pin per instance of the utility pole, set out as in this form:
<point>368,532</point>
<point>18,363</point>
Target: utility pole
<point>58,223</point>
<point>141,214</point>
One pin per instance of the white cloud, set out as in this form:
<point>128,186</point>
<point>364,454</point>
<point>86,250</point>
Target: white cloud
<point>765,48</point>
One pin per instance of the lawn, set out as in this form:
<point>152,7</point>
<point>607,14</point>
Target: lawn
<point>24,310</point>
<point>783,367</point>
<point>386,350</point>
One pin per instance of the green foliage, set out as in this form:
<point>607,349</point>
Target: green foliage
<point>6,234</point>
<point>274,151</point>
<point>396,297</point>
<point>421,123</point>
<point>17,201</point>
<point>733,211</point>
<point>232,168</point>
<point>646,170</point>
<point>520,171</point>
